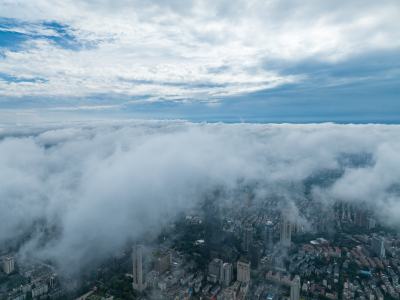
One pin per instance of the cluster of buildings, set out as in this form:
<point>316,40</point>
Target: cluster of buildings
<point>248,252</point>
<point>29,281</point>
<point>261,239</point>
<point>172,278</point>
<point>350,266</point>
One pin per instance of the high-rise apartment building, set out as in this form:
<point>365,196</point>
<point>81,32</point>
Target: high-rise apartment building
<point>295,288</point>
<point>215,270</point>
<point>8,264</point>
<point>243,271</point>
<point>286,230</point>
<point>137,271</point>
<point>227,274</point>
<point>378,246</point>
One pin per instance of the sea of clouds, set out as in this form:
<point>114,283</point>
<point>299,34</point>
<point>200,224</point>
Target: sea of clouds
<point>93,186</point>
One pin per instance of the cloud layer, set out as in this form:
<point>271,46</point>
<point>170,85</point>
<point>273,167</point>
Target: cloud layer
<point>183,50</point>
<point>94,186</point>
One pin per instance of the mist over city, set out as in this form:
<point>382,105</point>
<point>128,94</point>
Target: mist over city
<point>199,150</point>
<point>75,195</point>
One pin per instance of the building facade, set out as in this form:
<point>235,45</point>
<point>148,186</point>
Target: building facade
<point>378,246</point>
<point>243,271</point>
<point>295,288</point>
<point>8,264</point>
<point>215,271</point>
<point>227,274</point>
<point>138,283</point>
<point>286,230</point>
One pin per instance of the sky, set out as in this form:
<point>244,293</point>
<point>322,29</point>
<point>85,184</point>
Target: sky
<point>230,61</point>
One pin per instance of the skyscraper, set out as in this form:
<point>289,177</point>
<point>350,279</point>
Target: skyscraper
<point>378,246</point>
<point>243,271</point>
<point>247,238</point>
<point>286,230</point>
<point>295,288</point>
<point>255,254</point>
<point>8,264</point>
<point>137,272</point>
<point>268,235</point>
<point>215,270</point>
<point>227,274</point>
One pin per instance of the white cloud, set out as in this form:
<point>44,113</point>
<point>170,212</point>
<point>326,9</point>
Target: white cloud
<point>174,49</point>
<point>100,184</point>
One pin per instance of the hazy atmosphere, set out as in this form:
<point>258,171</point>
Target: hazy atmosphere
<point>199,150</point>
<point>100,184</point>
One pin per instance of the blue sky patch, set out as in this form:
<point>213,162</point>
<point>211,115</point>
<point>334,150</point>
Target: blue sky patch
<point>10,78</point>
<point>14,33</point>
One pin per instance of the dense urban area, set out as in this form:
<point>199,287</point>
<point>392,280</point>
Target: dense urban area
<point>240,249</point>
